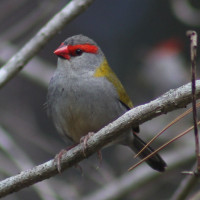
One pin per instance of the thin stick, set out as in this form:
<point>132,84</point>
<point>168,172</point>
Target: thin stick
<point>161,147</point>
<point>165,128</point>
<point>185,187</point>
<point>193,54</point>
<point>18,61</point>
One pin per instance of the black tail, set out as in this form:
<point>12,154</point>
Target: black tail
<point>156,162</point>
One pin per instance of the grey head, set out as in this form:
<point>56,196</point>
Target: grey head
<point>84,55</point>
<point>79,39</point>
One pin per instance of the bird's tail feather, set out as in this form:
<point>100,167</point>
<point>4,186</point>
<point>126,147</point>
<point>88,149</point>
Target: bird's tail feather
<point>156,162</point>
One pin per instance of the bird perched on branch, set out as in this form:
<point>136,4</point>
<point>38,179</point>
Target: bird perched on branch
<point>84,95</point>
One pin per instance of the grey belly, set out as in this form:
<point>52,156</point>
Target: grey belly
<point>82,110</point>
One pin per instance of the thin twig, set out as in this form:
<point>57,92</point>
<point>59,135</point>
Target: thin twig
<point>17,62</point>
<point>171,100</point>
<point>162,147</point>
<point>185,187</point>
<point>23,162</point>
<point>120,187</point>
<point>165,128</point>
<point>193,54</point>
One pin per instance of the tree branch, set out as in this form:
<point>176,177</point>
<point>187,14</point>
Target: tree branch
<point>17,62</point>
<point>22,162</point>
<point>171,100</point>
<point>138,178</point>
<point>37,70</point>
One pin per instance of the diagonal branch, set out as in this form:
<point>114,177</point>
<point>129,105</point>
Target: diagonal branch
<point>17,62</point>
<point>120,187</point>
<point>171,100</point>
<point>37,70</point>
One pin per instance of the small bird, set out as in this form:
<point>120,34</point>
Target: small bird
<point>84,95</point>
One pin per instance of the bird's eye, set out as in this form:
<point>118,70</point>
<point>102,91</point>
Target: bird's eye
<point>78,52</point>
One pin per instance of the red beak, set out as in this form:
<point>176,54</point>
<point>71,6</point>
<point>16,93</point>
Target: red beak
<point>62,51</point>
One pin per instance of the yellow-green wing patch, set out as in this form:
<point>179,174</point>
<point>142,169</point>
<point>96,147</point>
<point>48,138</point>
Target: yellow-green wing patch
<point>105,71</point>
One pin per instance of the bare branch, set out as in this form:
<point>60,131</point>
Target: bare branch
<point>17,62</point>
<point>193,54</point>
<point>162,147</point>
<point>185,187</point>
<point>166,127</point>
<point>37,70</point>
<point>23,162</point>
<point>171,100</point>
<point>131,181</point>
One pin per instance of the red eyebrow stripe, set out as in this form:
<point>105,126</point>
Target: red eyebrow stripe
<point>88,48</point>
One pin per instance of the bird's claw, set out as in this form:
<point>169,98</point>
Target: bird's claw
<point>58,158</point>
<point>84,140</point>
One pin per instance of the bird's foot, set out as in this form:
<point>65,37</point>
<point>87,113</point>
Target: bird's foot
<point>84,140</point>
<point>58,157</point>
